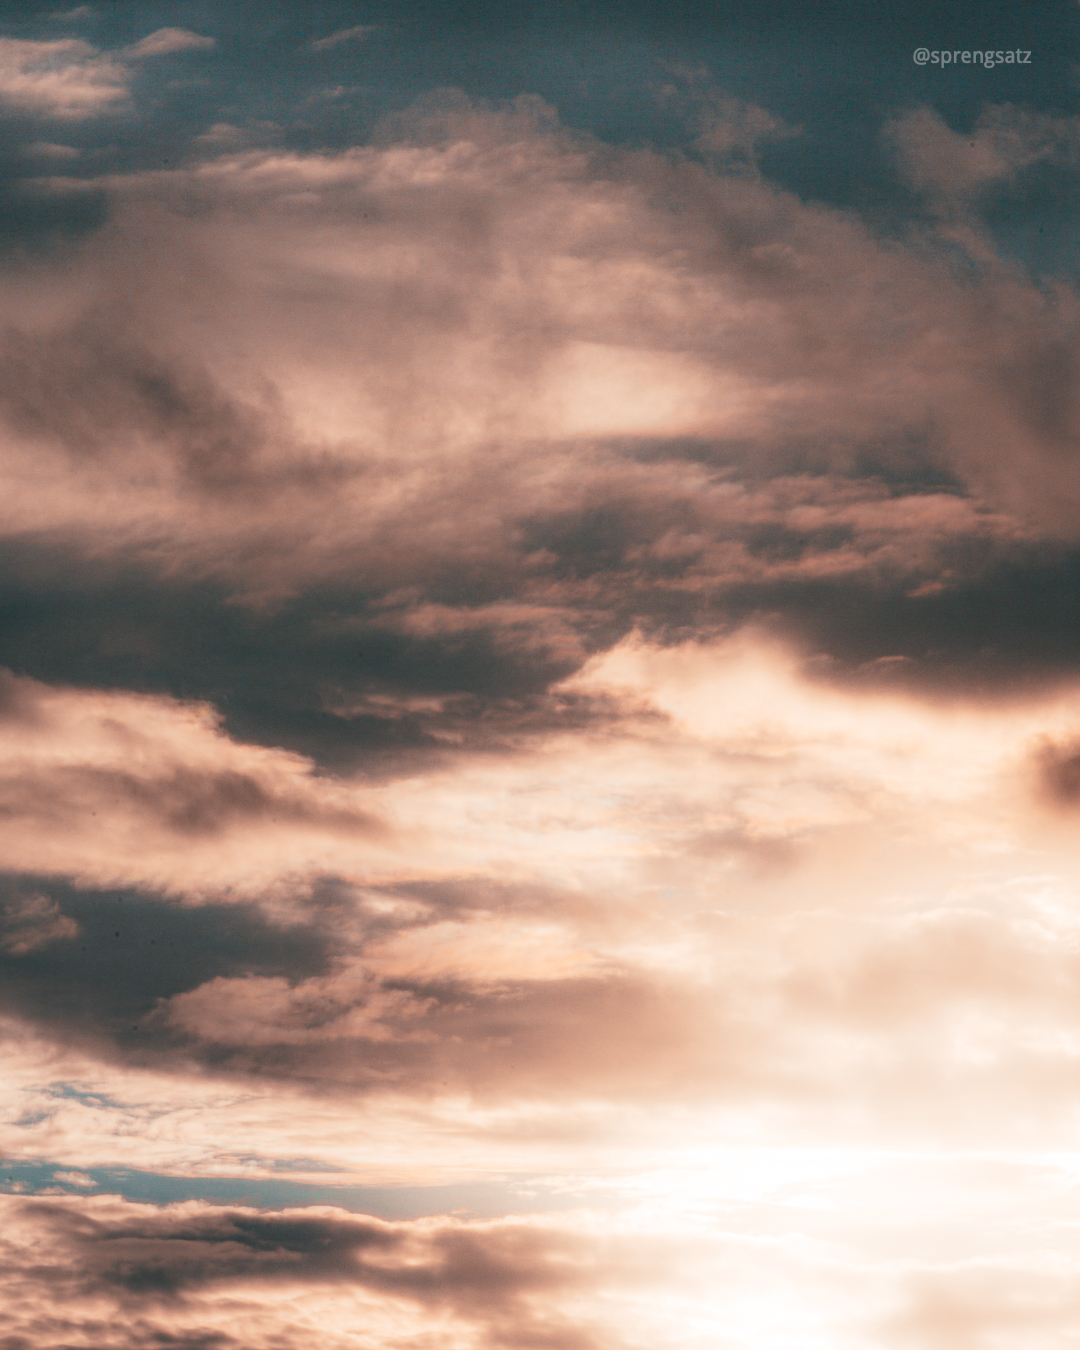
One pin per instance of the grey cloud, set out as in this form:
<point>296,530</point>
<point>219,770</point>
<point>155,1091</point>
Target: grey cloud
<point>620,1035</point>
<point>83,391</point>
<point>162,1266</point>
<point>156,983</point>
<point>300,675</point>
<point>178,801</point>
<point>1005,141</point>
<point>1058,773</point>
<point>871,492</point>
<point>100,976</point>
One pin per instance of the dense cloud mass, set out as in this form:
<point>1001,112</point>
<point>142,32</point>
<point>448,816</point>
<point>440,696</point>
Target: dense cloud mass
<point>539,684</point>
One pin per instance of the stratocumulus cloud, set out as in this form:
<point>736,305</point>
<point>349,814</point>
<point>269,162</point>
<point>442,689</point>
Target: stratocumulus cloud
<point>539,691</point>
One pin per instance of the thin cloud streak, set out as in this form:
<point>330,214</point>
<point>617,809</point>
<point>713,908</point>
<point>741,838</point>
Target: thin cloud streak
<point>355,34</point>
<point>165,41</point>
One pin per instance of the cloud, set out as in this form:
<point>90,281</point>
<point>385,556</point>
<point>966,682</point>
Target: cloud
<point>219,1275</point>
<point>432,580</point>
<point>730,133</point>
<point>74,1179</point>
<point>197,1274</point>
<point>539,665</point>
<point>85,768</point>
<point>975,1306</point>
<point>720,359</point>
<point>165,41</point>
<point>1059,771</point>
<point>502,939</point>
<point>34,921</point>
<point>70,79</point>
<point>222,133</point>
<point>51,150</point>
<point>1006,141</point>
<point>356,34</point>
<point>67,79</point>
<point>722,434</point>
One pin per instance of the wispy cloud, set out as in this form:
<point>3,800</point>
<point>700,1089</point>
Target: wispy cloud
<point>355,34</point>
<point>51,150</point>
<point>165,41</point>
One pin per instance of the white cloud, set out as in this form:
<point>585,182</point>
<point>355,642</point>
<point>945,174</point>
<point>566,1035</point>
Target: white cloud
<point>356,34</point>
<point>70,78</point>
<point>67,79</point>
<point>1005,141</point>
<point>167,40</point>
<point>74,1179</point>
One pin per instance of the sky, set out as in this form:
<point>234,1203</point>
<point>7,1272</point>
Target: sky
<point>539,676</point>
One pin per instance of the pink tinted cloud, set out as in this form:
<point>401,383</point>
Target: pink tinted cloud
<point>165,41</point>
<point>67,79</point>
<point>119,788</point>
<point>530,313</point>
<point>729,902</point>
<point>708,896</point>
<point>1006,141</point>
<point>669,1276</point>
<point>295,1278</point>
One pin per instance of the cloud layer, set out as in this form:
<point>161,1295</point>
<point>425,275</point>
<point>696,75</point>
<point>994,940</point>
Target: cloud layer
<point>537,665</point>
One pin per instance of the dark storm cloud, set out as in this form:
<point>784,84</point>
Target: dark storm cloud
<point>1011,631</point>
<point>303,675</point>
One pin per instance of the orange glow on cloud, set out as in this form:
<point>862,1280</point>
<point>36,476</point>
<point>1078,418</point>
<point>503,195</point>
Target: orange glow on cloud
<point>490,728</point>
